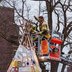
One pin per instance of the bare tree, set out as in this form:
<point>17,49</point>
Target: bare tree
<point>60,9</point>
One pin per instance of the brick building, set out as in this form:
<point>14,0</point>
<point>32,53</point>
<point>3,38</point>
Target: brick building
<point>8,37</point>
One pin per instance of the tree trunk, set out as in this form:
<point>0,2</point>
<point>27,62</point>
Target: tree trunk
<point>63,68</point>
<point>42,65</point>
<point>49,11</point>
<point>54,66</point>
<point>50,21</point>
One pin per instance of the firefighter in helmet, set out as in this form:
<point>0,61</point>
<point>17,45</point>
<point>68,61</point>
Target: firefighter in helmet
<point>43,27</point>
<point>44,32</point>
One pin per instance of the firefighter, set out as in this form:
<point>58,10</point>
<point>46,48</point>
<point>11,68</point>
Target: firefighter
<point>44,32</point>
<point>43,27</point>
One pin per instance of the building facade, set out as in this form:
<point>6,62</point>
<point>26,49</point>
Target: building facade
<point>8,37</point>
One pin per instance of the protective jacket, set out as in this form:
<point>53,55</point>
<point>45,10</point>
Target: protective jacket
<point>44,29</point>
